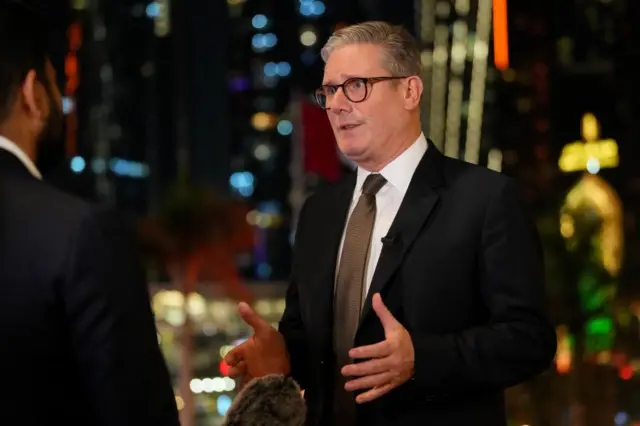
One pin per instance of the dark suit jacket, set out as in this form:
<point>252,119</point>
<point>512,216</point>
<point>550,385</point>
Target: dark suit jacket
<point>78,342</point>
<point>461,270</point>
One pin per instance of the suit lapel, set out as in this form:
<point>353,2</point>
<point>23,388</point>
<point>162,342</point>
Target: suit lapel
<point>417,205</point>
<point>331,223</point>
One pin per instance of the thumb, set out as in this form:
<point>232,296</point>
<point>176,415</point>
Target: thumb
<point>386,318</point>
<point>252,319</point>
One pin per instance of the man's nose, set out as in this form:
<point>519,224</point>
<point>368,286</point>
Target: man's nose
<point>338,102</point>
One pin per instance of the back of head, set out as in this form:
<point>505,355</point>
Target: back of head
<point>23,47</point>
<point>272,400</point>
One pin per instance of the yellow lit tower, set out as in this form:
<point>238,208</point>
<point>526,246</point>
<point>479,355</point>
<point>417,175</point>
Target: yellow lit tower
<point>456,41</point>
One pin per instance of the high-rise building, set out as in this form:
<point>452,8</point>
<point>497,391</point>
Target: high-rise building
<point>106,93</point>
<point>455,38</point>
<point>145,98</point>
<point>523,127</point>
<point>263,62</point>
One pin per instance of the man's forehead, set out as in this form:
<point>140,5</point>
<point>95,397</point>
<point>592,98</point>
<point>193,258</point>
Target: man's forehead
<point>367,68</point>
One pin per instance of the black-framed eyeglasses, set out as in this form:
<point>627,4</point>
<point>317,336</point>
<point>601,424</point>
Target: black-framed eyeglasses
<point>356,89</point>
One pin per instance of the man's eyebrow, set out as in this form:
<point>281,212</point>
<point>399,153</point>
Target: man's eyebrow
<point>346,77</point>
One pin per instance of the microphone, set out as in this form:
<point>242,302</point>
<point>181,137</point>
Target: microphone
<point>271,400</point>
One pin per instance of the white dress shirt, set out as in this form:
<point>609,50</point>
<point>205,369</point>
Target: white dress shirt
<point>398,174</point>
<point>14,149</point>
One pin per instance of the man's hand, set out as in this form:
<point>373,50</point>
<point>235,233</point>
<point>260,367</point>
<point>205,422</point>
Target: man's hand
<point>391,362</point>
<point>263,353</point>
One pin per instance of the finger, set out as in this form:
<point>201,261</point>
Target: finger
<point>235,355</point>
<point>252,319</point>
<point>239,370</point>
<point>374,366</point>
<point>377,350</point>
<point>374,393</point>
<point>387,319</point>
<point>368,382</point>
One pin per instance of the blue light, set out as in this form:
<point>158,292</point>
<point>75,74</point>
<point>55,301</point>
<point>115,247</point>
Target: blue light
<point>621,418</point>
<point>270,207</point>
<point>264,41</point>
<point>259,21</point>
<point>270,40</point>
<point>270,69</point>
<point>258,41</point>
<point>306,9</point>
<point>127,168</point>
<point>67,105</point>
<point>264,270</point>
<point>283,69</point>
<point>153,10</point>
<point>78,164</point>
<point>242,183</point>
<point>223,404</point>
<point>317,8</point>
<point>285,128</point>
<point>238,342</point>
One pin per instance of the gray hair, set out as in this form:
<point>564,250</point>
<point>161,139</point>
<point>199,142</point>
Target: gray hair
<point>272,400</point>
<point>401,51</point>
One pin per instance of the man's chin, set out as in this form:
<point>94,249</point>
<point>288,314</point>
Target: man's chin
<point>354,154</point>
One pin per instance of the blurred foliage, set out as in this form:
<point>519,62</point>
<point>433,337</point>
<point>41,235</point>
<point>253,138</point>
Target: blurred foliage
<point>197,230</point>
<point>193,218</point>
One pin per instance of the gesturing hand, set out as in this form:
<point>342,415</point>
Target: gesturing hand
<point>263,353</point>
<point>391,363</point>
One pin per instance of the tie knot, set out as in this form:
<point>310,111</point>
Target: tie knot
<point>373,183</point>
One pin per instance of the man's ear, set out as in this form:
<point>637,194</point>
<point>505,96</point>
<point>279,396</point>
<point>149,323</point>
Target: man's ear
<point>413,92</point>
<point>32,98</point>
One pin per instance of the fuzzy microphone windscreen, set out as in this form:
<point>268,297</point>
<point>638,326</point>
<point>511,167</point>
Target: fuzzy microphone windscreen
<point>272,400</point>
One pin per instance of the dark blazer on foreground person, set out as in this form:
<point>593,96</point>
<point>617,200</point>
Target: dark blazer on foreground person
<point>78,344</point>
<point>461,269</point>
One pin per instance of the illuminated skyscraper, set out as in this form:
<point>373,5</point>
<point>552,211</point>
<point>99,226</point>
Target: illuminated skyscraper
<point>522,128</point>
<point>106,101</point>
<point>262,64</point>
<point>455,38</point>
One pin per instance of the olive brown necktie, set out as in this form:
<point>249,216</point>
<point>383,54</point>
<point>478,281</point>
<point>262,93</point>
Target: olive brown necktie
<point>350,283</point>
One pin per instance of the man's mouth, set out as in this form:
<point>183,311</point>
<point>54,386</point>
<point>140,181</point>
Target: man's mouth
<point>348,126</point>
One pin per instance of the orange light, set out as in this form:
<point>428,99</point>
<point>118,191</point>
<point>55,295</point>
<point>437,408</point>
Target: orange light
<point>500,35</point>
<point>74,33</point>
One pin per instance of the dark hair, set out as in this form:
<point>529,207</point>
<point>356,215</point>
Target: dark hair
<point>23,47</point>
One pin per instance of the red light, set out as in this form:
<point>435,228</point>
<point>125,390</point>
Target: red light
<point>224,368</point>
<point>626,372</point>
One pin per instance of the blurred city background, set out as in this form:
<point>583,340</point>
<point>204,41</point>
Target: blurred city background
<point>195,117</point>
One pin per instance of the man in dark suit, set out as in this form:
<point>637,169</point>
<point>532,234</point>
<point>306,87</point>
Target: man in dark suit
<point>416,295</point>
<point>79,344</point>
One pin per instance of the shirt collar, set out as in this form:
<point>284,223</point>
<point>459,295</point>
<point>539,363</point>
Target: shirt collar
<point>399,172</point>
<point>14,149</point>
